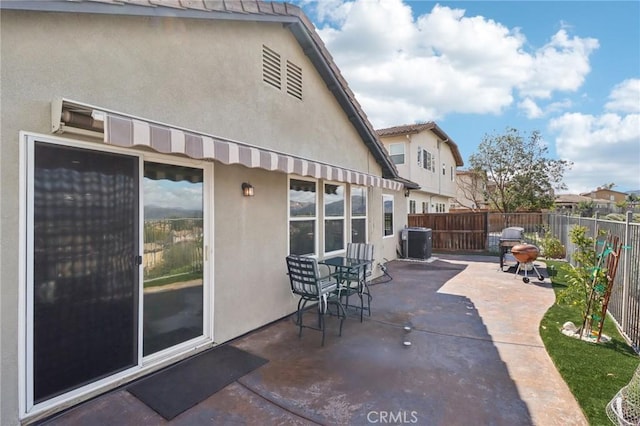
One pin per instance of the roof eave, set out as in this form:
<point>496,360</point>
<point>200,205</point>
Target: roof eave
<point>303,32</point>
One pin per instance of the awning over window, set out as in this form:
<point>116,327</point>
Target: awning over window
<point>128,132</point>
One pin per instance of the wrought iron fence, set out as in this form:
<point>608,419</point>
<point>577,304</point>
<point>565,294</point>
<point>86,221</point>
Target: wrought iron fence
<point>624,304</point>
<point>172,247</point>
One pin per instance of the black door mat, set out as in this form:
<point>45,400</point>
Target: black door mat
<point>179,387</point>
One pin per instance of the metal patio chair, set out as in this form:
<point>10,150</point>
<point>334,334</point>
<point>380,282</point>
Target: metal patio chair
<point>357,283</point>
<point>311,287</point>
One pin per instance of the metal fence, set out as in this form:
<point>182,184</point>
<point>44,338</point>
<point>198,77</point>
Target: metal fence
<point>624,305</point>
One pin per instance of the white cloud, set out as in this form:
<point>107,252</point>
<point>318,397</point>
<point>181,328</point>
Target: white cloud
<point>530,108</point>
<point>604,148</point>
<point>329,11</point>
<point>443,62</point>
<point>560,65</point>
<point>166,193</point>
<point>625,97</point>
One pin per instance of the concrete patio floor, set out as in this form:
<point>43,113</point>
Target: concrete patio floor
<point>475,358</point>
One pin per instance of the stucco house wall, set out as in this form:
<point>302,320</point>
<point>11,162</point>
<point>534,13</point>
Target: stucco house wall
<point>438,181</point>
<point>198,74</point>
<point>606,194</point>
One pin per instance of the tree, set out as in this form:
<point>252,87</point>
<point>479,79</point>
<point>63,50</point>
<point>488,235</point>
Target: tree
<point>516,171</point>
<point>608,186</point>
<point>471,189</point>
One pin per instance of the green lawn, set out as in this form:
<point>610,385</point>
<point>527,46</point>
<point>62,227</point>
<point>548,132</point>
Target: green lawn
<point>594,372</point>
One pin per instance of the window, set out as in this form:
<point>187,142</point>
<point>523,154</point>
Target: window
<point>452,175</point>
<point>396,151</point>
<point>387,208</point>
<point>333,217</point>
<point>425,207</point>
<point>358,214</point>
<point>428,161</point>
<point>412,206</point>
<point>302,217</point>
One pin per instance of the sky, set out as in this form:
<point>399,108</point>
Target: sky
<point>568,69</point>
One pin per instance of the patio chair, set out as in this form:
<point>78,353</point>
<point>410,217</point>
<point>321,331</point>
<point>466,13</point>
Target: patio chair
<point>311,287</point>
<point>357,283</point>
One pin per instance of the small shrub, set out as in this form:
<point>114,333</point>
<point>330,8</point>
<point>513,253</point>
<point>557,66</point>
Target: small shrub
<point>585,275</point>
<point>551,247</point>
<point>616,216</point>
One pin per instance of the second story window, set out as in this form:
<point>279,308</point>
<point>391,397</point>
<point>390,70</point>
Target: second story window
<point>428,161</point>
<point>412,206</point>
<point>396,151</point>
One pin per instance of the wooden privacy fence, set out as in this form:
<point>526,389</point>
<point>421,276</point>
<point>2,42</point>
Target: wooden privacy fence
<point>475,231</point>
<point>454,231</point>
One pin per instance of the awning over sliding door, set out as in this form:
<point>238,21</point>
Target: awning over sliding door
<point>126,131</point>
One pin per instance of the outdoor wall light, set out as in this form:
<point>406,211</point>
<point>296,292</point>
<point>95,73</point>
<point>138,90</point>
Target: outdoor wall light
<point>247,189</point>
<point>407,192</point>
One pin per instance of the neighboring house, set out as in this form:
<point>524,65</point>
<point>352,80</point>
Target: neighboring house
<point>424,154</point>
<point>469,192</point>
<point>571,202</point>
<point>606,194</point>
<point>130,131</point>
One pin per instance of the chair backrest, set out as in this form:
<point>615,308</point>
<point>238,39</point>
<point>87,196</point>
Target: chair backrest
<point>303,275</point>
<point>362,251</point>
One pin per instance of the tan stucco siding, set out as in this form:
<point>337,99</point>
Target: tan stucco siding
<point>250,246</point>
<point>448,185</point>
<point>431,182</point>
<point>199,74</point>
<point>196,74</point>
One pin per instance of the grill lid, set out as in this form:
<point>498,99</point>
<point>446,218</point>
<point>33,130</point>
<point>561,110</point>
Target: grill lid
<point>512,233</point>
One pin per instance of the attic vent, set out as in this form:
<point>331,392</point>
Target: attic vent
<point>294,80</point>
<point>271,67</point>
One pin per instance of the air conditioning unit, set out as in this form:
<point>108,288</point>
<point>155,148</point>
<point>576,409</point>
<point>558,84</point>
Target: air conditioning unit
<point>416,243</point>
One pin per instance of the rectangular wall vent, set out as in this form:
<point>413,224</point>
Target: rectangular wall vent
<point>271,73</point>
<point>294,80</point>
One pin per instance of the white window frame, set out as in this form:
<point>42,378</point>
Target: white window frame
<point>392,154</point>
<point>353,216</point>
<point>315,218</point>
<point>327,218</point>
<point>428,161</point>
<point>412,206</point>
<point>385,198</point>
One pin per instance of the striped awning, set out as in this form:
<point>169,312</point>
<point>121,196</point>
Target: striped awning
<point>128,132</point>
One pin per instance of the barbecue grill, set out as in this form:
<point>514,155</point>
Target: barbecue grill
<point>525,254</point>
<point>510,237</point>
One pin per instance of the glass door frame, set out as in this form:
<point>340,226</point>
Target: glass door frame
<point>207,250</point>
<point>29,409</point>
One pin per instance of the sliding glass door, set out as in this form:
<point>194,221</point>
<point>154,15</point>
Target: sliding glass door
<point>173,255</point>
<point>97,302</point>
<point>85,267</point>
